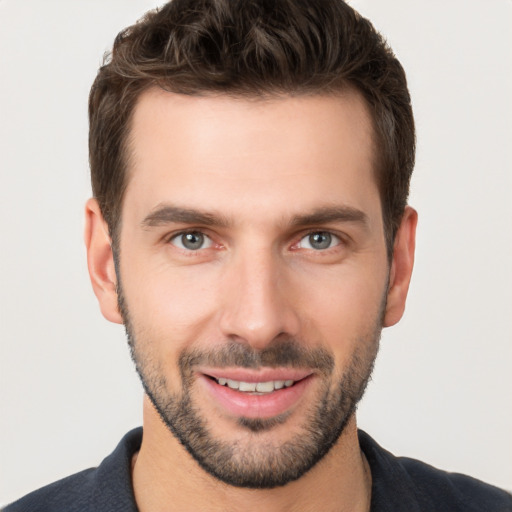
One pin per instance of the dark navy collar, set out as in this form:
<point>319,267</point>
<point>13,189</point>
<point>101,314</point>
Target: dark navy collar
<point>113,479</point>
<point>399,484</point>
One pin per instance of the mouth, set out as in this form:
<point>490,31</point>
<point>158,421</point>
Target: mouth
<point>256,394</point>
<point>257,388</point>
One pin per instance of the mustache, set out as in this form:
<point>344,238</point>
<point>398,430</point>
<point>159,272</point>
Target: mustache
<point>281,353</point>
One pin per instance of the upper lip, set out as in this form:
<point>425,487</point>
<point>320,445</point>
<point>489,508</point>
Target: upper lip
<point>261,375</point>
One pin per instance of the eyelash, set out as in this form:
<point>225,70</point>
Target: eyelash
<point>177,236</point>
<point>335,236</point>
<point>295,246</point>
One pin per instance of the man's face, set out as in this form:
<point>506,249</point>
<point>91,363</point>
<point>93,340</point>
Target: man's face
<point>253,274</point>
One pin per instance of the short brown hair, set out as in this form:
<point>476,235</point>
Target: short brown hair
<point>251,48</point>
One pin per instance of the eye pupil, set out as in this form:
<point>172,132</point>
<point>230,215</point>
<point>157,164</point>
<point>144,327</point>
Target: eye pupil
<point>320,240</point>
<point>192,240</point>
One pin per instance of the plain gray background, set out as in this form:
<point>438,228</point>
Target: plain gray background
<point>442,387</point>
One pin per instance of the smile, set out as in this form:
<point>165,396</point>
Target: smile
<point>256,394</point>
<point>255,387</point>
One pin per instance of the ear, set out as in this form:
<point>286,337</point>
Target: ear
<point>401,267</point>
<point>100,261</point>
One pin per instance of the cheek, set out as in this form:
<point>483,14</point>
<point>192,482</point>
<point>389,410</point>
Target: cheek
<point>171,306</point>
<point>343,308</point>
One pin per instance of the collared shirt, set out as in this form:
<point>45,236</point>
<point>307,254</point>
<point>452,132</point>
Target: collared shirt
<point>399,484</point>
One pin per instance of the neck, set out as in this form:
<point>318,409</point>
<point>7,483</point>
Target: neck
<point>166,477</point>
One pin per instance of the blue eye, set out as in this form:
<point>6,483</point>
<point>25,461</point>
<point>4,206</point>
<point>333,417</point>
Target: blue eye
<point>319,241</point>
<point>191,241</point>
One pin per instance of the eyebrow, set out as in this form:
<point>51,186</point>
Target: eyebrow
<point>167,214</point>
<point>328,214</point>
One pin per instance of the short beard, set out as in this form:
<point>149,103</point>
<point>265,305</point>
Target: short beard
<point>257,464</point>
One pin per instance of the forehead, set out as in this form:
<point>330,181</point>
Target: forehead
<point>236,154</point>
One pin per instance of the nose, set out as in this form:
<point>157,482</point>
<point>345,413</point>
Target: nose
<point>258,300</point>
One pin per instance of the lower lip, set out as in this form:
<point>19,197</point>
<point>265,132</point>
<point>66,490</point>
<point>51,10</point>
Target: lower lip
<point>247,405</point>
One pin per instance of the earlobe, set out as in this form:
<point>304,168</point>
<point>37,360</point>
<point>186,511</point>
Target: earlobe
<point>100,262</point>
<point>401,267</point>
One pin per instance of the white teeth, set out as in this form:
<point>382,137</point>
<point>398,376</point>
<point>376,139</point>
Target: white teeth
<point>247,386</point>
<point>265,387</point>
<point>233,384</point>
<point>258,387</point>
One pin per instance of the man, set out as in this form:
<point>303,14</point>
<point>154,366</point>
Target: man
<point>249,227</point>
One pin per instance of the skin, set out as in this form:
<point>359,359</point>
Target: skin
<point>259,165</point>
